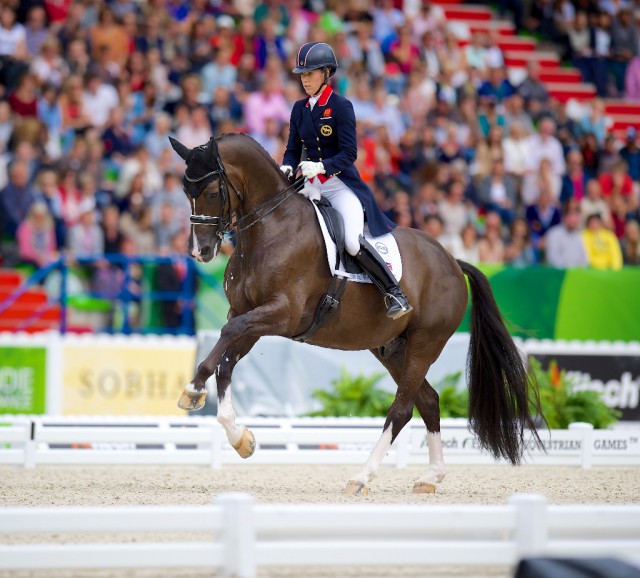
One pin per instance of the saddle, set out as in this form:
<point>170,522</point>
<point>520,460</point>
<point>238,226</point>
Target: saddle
<point>335,226</point>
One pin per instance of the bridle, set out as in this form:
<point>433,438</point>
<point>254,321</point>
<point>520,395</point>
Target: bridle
<point>217,174</point>
<point>227,224</point>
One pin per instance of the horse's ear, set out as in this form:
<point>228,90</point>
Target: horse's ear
<point>213,150</point>
<point>182,150</point>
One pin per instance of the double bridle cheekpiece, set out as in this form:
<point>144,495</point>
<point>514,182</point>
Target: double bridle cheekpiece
<point>196,185</point>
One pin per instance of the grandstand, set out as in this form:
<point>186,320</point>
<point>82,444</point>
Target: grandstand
<point>90,94</point>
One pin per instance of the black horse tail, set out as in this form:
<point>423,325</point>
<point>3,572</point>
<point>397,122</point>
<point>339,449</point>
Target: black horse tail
<point>502,397</point>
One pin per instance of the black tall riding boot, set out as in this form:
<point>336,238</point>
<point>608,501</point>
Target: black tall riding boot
<point>383,279</point>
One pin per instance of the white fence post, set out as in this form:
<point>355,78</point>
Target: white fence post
<point>402,444</point>
<point>586,457</point>
<point>238,535</point>
<point>217,440</point>
<point>531,524</point>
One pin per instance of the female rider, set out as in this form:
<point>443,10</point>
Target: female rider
<point>323,126</point>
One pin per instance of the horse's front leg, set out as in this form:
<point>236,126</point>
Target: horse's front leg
<point>240,437</point>
<point>272,318</point>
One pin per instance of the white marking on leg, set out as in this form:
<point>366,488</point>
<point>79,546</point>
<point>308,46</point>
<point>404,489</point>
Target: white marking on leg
<point>227,419</point>
<point>435,470</point>
<point>372,464</point>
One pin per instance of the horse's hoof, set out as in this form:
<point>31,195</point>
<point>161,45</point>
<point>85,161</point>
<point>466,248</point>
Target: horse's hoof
<point>192,400</point>
<point>354,488</point>
<point>424,488</point>
<point>247,444</point>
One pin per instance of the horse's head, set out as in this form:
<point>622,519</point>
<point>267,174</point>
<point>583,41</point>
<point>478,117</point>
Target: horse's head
<point>205,185</point>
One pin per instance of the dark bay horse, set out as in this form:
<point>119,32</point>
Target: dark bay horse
<point>279,271</point>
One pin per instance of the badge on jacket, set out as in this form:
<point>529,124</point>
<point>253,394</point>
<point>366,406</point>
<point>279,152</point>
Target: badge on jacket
<point>326,130</point>
<point>327,112</point>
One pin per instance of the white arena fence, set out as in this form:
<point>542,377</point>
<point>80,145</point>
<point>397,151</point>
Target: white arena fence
<point>31,441</point>
<point>248,536</point>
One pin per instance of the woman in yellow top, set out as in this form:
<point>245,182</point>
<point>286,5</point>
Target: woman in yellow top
<point>602,246</point>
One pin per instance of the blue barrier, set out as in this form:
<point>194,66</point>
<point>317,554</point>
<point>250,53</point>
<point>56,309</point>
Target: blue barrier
<point>124,294</point>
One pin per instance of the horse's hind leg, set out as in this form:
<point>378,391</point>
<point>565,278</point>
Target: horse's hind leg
<point>428,406</point>
<point>407,365</point>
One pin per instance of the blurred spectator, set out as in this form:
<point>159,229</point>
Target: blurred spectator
<point>581,45</point>
<point>364,51</point>
<point>601,51</point>
<point>117,136</point>
<point>75,118</point>
<point>166,226</point>
<point>110,223</point>
<point>595,122</point>
<point>630,153</point>
<point>519,251</point>
<point>467,249</point>
<point>531,89</point>
<point>491,248</point>
<point>35,29</point>
<point>218,73</point>
<point>475,53</point>
<point>624,46</point>
<point>487,152</point>
<point>140,164</point>
<point>545,146</point>
<point>49,68</point>
<point>173,277</point>
<point>541,18</point>
<point>386,20</point>
<point>541,216</point>
<point>533,182</point>
<point>433,225</point>
<point>594,203</point>
<point>16,197</point>
<point>516,114</point>
<point>455,211</point>
<point>24,99</point>
<point>269,41</point>
<point>157,139</point>
<point>617,181</point>
<point>575,181</point>
<point>267,103</point>
<point>137,226</point>
<point>497,87</point>
<point>36,236</point>
<point>98,100</point>
<point>609,156</point>
<point>630,243</point>
<point>85,237</point>
<point>47,191</point>
<point>13,48</point>
<point>619,208</point>
<point>602,246</point>
<point>498,193</point>
<point>516,148</point>
<point>109,41</point>
<point>564,246</point>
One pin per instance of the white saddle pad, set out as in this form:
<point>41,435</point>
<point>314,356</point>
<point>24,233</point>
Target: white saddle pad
<point>386,246</point>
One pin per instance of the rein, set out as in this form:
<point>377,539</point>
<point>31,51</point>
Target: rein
<point>245,221</point>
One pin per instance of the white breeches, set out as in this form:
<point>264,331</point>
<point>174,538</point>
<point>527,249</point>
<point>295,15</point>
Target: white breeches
<point>345,201</point>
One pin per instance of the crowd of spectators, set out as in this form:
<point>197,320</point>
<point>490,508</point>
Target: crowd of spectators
<point>449,140</point>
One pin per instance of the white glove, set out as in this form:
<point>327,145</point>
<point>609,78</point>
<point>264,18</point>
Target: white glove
<point>287,170</point>
<point>310,169</point>
<point>309,191</point>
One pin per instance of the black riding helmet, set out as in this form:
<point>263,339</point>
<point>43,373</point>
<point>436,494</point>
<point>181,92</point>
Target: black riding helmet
<point>315,55</point>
